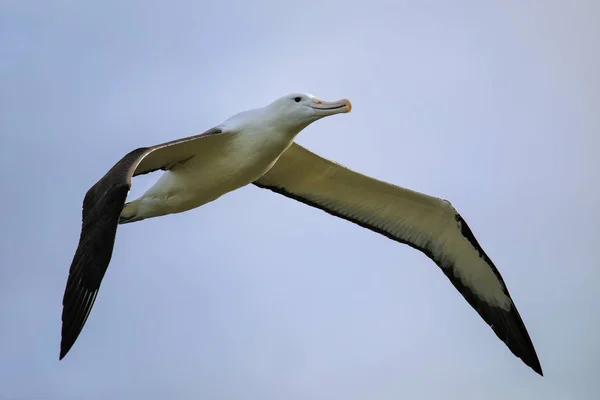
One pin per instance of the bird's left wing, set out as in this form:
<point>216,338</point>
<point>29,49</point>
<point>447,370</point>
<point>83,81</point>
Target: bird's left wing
<point>423,222</point>
<point>102,207</point>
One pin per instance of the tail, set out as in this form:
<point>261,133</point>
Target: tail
<point>130,213</point>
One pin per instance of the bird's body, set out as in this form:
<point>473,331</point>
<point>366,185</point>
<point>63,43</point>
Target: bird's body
<point>257,147</point>
<point>223,163</point>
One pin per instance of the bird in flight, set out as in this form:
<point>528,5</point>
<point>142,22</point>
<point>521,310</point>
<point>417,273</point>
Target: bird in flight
<point>257,147</point>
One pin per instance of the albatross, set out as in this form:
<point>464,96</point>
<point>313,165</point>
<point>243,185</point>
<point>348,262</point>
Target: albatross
<point>257,147</point>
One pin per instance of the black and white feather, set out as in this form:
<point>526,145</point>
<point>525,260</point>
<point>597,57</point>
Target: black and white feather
<point>102,207</point>
<point>426,223</point>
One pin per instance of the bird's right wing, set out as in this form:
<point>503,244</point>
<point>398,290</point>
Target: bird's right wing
<point>102,207</point>
<point>426,223</point>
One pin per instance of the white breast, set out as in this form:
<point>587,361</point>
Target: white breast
<point>239,160</point>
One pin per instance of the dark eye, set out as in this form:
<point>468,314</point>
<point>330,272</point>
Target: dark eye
<point>297,99</point>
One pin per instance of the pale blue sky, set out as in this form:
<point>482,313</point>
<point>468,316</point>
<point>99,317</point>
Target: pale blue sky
<point>492,106</point>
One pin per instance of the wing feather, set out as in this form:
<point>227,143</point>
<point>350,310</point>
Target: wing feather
<point>102,207</point>
<point>428,224</point>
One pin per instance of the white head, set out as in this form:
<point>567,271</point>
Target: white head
<point>296,111</point>
<point>287,115</point>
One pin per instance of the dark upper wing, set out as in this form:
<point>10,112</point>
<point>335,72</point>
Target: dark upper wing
<point>102,207</point>
<point>423,222</point>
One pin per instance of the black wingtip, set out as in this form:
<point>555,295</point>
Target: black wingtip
<point>519,342</point>
<point>534,363</point>
<point>508,327</point>
<point>531,360</point>
<point>65,347</point>
<point>66,343</point>
<point>63,352</point>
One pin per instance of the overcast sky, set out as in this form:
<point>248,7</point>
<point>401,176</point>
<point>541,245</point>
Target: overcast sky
<point>255,296</point>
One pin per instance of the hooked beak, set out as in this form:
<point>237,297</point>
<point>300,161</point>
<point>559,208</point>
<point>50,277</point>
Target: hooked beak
<point>324,108</point>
